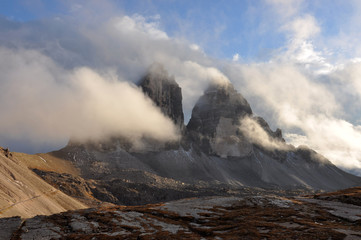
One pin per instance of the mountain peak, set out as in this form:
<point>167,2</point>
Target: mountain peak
<point>218,100</point>
<point>215,119</point>
<point>165,92</point>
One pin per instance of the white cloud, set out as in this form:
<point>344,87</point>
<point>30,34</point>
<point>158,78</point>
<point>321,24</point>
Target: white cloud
<point>296,139</point>
<point>308,111</point>
<point>308,108</point>
<point>286,8</point>
<point>195,47</point>
<point>350,74</point>
<point>334,138</point>
<point>140,24</point>
<point>302,28</point>
<point>303,90</point>
<point>45,101</point>
<point>256,134</point>
<point>235,57</point>
<point>119,48</point>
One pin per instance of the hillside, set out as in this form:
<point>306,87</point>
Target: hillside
<point>23,193</point>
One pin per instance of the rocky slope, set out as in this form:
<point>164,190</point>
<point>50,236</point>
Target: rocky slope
<point>248,217</point>
<point>23,193</point>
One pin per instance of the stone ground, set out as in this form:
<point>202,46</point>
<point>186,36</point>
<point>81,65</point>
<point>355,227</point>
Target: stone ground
<point>249,217</point>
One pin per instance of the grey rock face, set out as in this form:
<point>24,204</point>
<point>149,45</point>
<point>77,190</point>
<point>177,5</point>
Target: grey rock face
<point>213,125</point>
<point>165,93</point>
<point>216,120</point>
<point>218,101</point>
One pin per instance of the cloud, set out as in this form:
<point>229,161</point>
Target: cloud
<point>284,87</point>
<point>302,28</point>
<point>309,109</point>
<point>65,51</point>
<point>139,47</point>
<point>44,101</point>
<point>286,8</point>
<point>235,57</point>
<point>253,131</point>
<point>193,77</point>
<point>299,88</point>
<point>302,91</point>
<point>334,138</point>
<point>138,23</point>
<point>310,106</point>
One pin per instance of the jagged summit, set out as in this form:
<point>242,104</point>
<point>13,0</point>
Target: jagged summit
<point>165,92</point>
<point>219,101</point>
<point>223,124</point>
<point>215,119</point>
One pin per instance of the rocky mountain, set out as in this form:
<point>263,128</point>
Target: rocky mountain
<point>228,175</point>
<point>165,93</point>
<point>225,150</point>
<point>215,125</point>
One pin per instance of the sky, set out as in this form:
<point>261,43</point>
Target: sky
<point>69,68</point>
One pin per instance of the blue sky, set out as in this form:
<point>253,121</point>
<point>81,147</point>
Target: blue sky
<point>221,28</point>
<point>297,62</point>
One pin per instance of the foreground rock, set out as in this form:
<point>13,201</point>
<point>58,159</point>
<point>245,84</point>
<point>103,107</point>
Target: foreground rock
<point>249,217</point>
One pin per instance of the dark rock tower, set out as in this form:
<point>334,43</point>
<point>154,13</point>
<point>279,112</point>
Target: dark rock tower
<point>165,93</point>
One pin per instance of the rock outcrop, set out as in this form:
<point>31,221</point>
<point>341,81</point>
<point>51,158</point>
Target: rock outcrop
<point>165,93</point>
<point>216,120</point>
<point>213,126</point>
<point>218,101</point>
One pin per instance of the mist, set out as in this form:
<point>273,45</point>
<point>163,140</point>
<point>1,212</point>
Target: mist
<point>69,78</point>
<point>254,133</point>
<point>44,101</point>
<point>305,92</point>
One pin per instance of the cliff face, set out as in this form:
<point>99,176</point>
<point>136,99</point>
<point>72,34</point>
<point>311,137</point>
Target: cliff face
<point>165,93</point>
<point>215,125</point>
<point>218,101</point>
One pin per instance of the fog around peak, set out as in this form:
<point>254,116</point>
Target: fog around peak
<point>309,86</point>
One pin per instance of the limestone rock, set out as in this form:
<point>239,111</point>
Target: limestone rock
<point>165,93</point>
<point>213,125</point>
